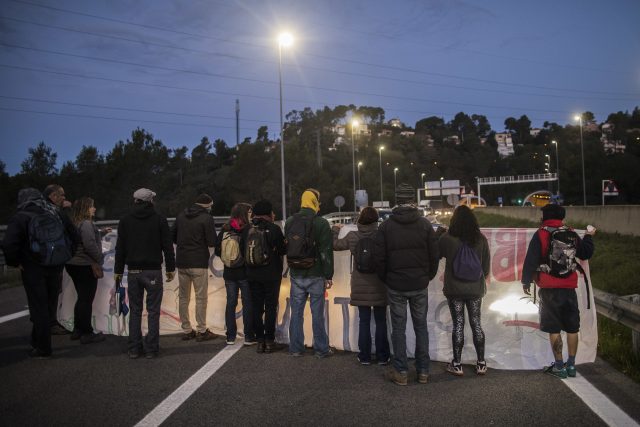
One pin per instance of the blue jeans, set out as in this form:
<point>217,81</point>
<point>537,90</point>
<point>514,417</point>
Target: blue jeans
<point>233,286</point>
<point>301,288</point>
<point>364,333</point>
<point>137,284</point>
<point>418,305</point>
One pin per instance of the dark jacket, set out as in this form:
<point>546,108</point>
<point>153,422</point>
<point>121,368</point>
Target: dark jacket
<point>454,287</point>
<point>323,267</point>
<point>89,251</point>
<point>194,232</point>
<point>15,244</point>
<point>271,272</point>
<point>535,254</point>
<point>70,229</point>
<point>236,273</point>
<point>366,289</point>
<point>406,250</point>
<point>143,237</point>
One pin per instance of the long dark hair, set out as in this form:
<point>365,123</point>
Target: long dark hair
<point>464,225</point>
<point>240,211</point>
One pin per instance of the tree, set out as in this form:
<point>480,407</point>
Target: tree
<point>41,162</point>
<point>263,135</point>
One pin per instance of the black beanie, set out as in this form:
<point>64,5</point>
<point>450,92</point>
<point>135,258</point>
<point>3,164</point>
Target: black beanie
<point>204,200</point>
<point>263,207</point>
<point>552,211</point>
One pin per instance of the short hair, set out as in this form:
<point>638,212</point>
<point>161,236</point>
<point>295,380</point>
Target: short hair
<point>368,215</point>
<point>50,189</point>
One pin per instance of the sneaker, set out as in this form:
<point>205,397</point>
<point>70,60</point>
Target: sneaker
<point>384,362</point>
<point>151,355</point>
<point>37,354</point>
<point>205,336</point>
<point>59,330</point>
<point>250,342</point>
<point>552,370</point>
<point>134,354</point>
<point>296,354</point>
<point>189,335</point>
<point>272,346</point>
<point>481,368</point>
<point>455,369</point>
<point>329,353</point>
<point>231,341</point>
<point>92,338</point>
<point>363,361</point>
<point>399,378</point>
<point>571,371</point>
<point>76,335</point>
<point>423,377</point>
<point>261,347</point>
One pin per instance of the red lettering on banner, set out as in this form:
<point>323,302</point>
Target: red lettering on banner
<point>507,258</point>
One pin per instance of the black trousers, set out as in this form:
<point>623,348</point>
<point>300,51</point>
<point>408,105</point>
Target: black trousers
<point>264,295</point>
<point>86,285</point>
<point>42,285</point>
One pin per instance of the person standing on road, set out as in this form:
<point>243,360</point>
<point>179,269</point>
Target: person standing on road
<point>265,249</point>
<point>406,257</point>
<point>80,269</point>
<point>465,286</point>
<point>143,239</point>
<point>194,232</point>
<point>368,292</point>
<point>310,258</point>
<point>558,299</point>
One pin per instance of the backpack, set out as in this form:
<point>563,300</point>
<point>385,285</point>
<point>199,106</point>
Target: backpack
<point>466,264</point>
<point>230,252</point>
<point>48,240</point>
<point>560,260</point>
<point>301,246</point>
<point>363,256</point>
<point>257,251</point>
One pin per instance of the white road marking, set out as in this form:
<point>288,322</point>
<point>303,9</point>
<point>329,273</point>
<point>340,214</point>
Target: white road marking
<point>161,412</point>
<point>598,402</point>
<point>14,316</point>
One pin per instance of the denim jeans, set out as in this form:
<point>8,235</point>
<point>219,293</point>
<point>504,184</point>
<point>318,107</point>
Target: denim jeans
<point>301,288</point>
<point>199,278</point>
<point>233,286</point>
<point>418,305</point>
<point>138,283</point>
<point>364,333</point>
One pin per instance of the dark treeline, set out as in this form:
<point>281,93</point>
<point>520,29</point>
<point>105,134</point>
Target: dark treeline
<point>252,170</point>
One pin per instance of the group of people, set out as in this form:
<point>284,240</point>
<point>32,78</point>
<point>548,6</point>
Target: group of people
<point>392,264</point>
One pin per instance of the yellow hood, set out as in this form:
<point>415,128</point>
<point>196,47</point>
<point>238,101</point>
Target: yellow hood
<point>310,199</point>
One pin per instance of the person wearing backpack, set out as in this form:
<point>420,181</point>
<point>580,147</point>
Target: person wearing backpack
<point>467,267</point>
<point>40,277</point>
<point>310,259</point>
<point>264,251</point>
<point>81,270</point>
<point>194,232</point>
<point>368,292</point>
<point>230,249</point>
<point>557,280</point>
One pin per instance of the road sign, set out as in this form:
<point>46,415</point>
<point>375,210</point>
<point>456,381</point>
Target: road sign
<point>609,188</point>
<point>339,201</point>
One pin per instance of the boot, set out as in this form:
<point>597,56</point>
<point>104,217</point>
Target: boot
<point>260,348</point>
<point>271,346</point>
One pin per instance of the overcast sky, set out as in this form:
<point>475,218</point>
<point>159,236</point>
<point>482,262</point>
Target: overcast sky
<point>80,73</point>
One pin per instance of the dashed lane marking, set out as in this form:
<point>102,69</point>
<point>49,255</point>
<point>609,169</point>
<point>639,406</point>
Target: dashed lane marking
<point>14,316</point>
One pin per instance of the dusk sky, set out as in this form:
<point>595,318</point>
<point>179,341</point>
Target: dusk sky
<point>80,73</point>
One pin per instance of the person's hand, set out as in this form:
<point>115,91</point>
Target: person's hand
<point>328,284</point>
<point>170,275</point>
<point>591,230</point>
<point>106,230</point>
<point>66,204</point>
<point>338,226</point>
<point>526,289</point>
<point>117,277</point>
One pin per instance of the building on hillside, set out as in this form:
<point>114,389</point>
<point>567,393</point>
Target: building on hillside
<point>453,139</point>
<point>483,140</point>
<point>505,144</point>
<point>396,123</point>
<point>385,132</point>
<point>610,145</point>
<point>407,133</point>
<point>534,132</point>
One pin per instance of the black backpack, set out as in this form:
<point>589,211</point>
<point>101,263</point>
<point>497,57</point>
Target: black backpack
<point>560,260</point>
<point>48,240</point>
<point>363,256</point>
<point>257,251</point>
<point>301,246</point>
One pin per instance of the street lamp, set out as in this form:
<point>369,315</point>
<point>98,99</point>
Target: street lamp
<point>284,40</point>
<point>380,152</point>
<point>359,164</point>
<point>557,165</point>
<point>422,179</point>
<point>584,187</point>
<point>395,186</point>
<point>354,123</point>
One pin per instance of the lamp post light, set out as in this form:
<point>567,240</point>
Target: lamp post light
<point>380,152</point>
<point>284,40</point>
<point>584,187</point>
<point>422,179</point>
<point>395,186</point>
<point>359,164</point>
<point>354,124</point>
<point>557,165</point>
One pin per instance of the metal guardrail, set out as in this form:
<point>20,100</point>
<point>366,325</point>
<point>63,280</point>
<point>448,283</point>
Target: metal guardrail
<point>624,310</point>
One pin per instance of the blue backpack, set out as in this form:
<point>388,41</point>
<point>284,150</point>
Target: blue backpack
<point>466,264</point>
<point>48,240</point>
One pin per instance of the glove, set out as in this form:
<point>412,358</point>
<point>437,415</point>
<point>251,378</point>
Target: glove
<point>527,289</point>
<point>170,275</point>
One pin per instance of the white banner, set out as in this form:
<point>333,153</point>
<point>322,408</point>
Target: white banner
<point>510,321</point>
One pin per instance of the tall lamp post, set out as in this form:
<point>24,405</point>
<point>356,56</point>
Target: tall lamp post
<point>422,179</point>
<point>395,186</point>
<point>354,123</point>
<point>380,152</point>
<point>584,187</point>
<point>284,40</point>
<point>557,165</point>
<point>359,164</point>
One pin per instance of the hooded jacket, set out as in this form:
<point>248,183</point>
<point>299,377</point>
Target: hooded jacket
<point>366,289</point>
<point>89,250</point>
<point>406,250</point>
<point>323,266</point>
<point>454,287</point>
<point>193,232</point>
<point>271,272</point>
<point>143,238</point>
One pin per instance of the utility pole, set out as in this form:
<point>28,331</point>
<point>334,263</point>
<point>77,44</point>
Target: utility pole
<point>319,151</point>
<point>237,122</point>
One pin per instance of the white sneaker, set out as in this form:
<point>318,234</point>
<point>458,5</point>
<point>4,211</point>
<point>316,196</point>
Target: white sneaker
<point>230,342</point>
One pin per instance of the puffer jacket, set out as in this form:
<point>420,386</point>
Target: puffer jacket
<point>89,251</point>
<point>194,232</point>
<point>366,289</point>
<point>454,287</point>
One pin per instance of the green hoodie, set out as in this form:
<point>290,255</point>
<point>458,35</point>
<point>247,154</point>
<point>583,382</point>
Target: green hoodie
<point>323,267</point>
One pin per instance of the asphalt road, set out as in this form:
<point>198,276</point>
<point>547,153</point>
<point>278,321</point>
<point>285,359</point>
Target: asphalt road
<point>98,385</point>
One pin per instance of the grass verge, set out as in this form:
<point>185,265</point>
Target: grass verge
<point>10,278</point>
